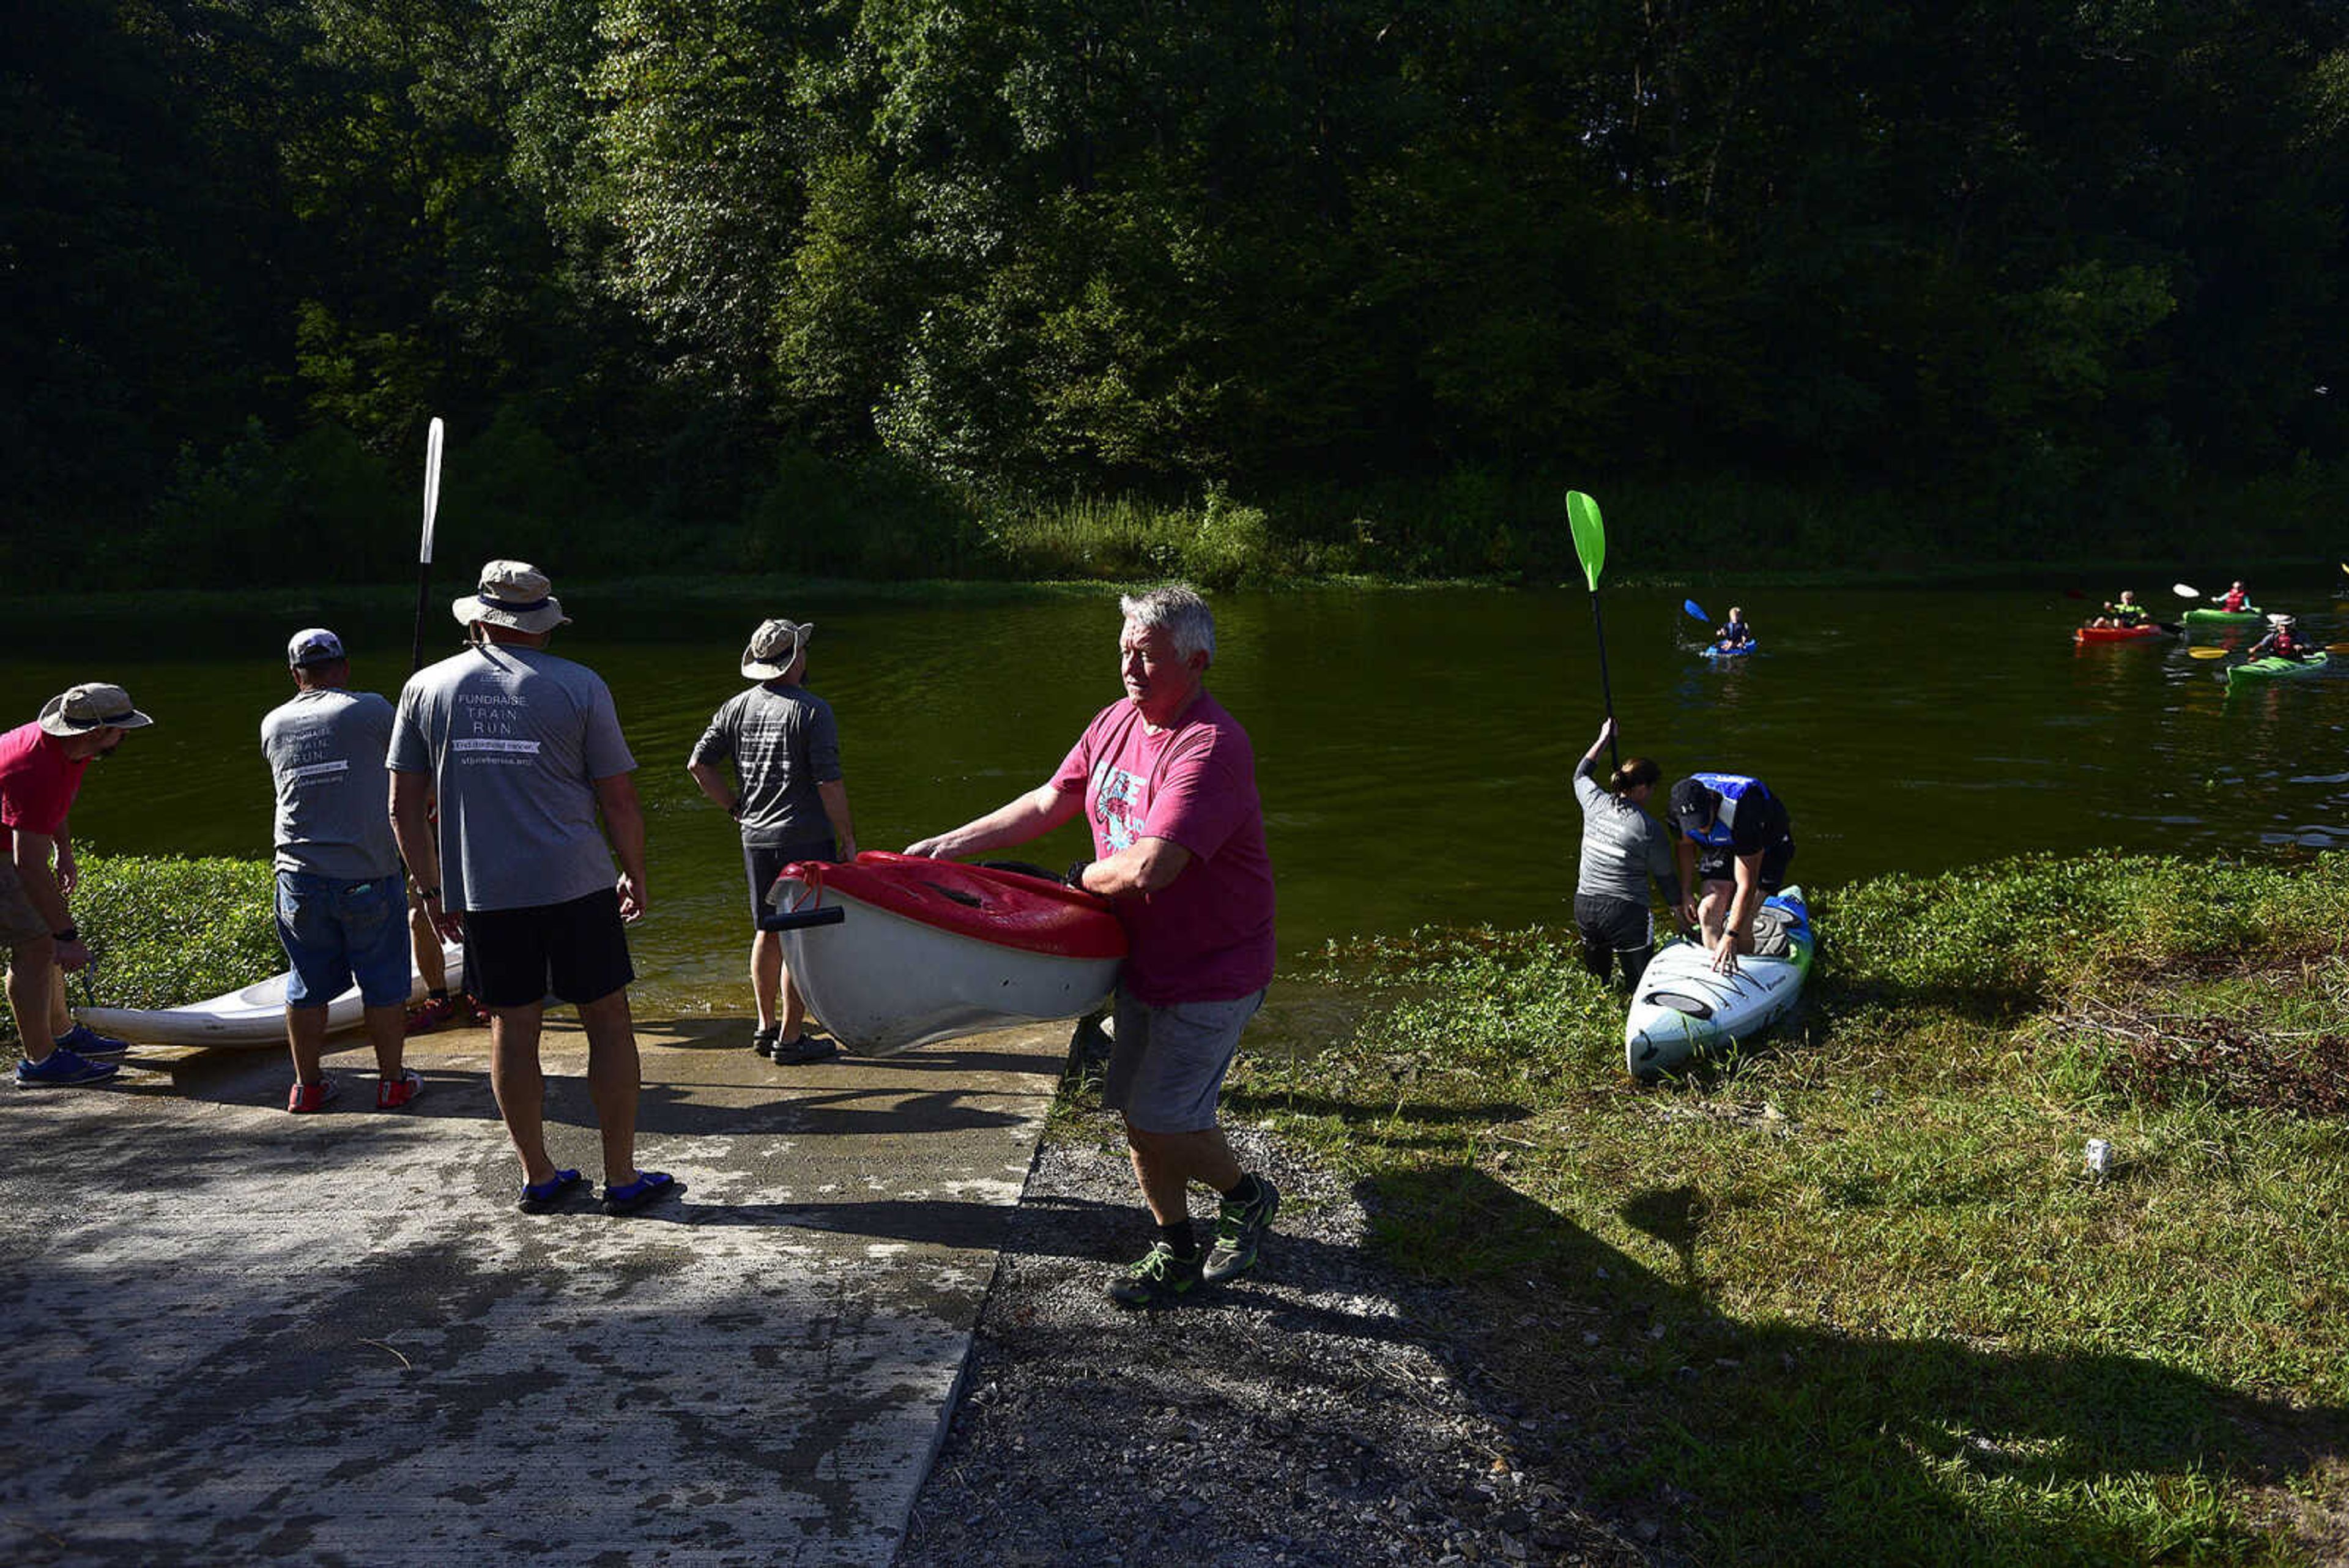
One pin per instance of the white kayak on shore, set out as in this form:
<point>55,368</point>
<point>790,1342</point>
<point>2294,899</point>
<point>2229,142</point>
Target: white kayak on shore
<point>1681,1007</point>
<point>891,951</point>
<point>253,1017</point>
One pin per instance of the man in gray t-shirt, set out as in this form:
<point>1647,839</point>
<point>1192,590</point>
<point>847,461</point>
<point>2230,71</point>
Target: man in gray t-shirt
<point>788,796</point>
<point>341,898</point>
<point>523,749</point>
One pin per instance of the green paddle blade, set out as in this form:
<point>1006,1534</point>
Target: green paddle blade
<point>1589,535</point>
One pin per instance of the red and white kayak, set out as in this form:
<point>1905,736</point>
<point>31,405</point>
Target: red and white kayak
<point>2139,633</point>
<point>893,951</point>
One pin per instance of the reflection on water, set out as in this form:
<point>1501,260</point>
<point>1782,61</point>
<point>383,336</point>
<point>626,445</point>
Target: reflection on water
<point>1413,748</point>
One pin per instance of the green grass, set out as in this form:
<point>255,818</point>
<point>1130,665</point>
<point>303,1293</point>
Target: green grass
<point>167,930</point>
<point>1852,1296</point>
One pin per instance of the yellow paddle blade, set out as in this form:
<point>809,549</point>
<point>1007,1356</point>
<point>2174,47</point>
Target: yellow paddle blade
<point>2205,653</point>
<point>2336,647</point>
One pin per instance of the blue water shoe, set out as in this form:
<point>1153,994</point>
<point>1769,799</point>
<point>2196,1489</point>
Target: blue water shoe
<point>62,1068</point>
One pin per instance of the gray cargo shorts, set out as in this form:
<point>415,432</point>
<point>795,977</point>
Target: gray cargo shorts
<point>1166,1064</point>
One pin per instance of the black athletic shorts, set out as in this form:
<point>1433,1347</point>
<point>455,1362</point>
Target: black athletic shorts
<point>1720,865</point>
<point>578,950</point>
<point>765,865</point>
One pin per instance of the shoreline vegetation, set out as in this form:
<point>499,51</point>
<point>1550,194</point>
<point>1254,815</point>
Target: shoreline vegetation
<point>1853,1287</point>
<point>829,527</point>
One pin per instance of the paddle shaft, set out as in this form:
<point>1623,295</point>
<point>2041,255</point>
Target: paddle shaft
<point>432,440</point>
<point>1606,690</point>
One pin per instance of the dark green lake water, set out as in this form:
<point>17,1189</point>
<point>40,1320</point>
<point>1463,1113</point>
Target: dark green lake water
<point>1413,748</point>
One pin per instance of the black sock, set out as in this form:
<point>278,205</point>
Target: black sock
<point>1178,1237</point>
<point>1246,1193</point>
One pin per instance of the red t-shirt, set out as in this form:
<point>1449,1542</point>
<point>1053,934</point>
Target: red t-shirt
<point>1207,936</point>
<point>37,781</point>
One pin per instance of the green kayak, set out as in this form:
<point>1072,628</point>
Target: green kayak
<point>2224,618</point>
<point>2264,669</point>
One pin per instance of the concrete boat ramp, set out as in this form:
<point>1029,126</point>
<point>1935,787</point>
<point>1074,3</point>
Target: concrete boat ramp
<point>236,1335</point>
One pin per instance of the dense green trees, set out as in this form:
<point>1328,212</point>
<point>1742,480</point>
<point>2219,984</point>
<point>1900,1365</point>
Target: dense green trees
<point>805,285</point>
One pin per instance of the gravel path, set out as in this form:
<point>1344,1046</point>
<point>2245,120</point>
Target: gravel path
<point>1320,1410</point>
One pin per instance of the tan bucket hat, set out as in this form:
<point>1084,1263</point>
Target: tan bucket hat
<point>773,647</point>
<point>514,594</point>
<point>79,710</point>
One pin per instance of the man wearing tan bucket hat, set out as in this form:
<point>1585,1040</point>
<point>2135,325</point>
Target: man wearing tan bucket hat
<point>523,749</point>
<point>788,796</point>
<point>41,768</point>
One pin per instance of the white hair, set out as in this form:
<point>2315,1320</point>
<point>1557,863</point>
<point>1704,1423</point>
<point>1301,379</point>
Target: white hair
<point>1180,609</point>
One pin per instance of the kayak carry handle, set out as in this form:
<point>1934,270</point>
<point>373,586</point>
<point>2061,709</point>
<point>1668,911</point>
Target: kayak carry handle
<point>800,920</point>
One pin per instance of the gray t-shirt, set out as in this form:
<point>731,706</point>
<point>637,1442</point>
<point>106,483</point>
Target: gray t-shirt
<point>325,751</point>
<point>783,742</point>
<point>1622,846</point>
<point>514,739</point>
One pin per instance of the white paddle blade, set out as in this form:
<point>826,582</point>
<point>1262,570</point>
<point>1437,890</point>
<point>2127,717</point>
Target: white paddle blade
<point>2184,592</point>
<point>431,487</point>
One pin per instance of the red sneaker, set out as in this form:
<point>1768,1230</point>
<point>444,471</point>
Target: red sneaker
<point>391,1094</point>
<point>304,1098</point>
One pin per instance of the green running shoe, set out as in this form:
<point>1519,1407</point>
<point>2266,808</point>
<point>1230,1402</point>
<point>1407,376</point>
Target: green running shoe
<point>1159,1280</point>
<point>1239,1228</point>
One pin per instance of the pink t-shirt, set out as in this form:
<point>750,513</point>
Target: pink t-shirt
<point>1207,936</point>
<point>37,781</point>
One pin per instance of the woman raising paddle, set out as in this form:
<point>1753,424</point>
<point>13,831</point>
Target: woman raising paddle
<point>1622,847</point>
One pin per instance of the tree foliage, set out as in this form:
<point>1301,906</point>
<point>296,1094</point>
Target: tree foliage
<point>2072,254</point>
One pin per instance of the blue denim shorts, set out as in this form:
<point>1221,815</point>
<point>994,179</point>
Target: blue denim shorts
<point>334,931</point>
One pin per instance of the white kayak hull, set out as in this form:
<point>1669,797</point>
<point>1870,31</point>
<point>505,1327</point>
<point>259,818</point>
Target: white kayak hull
<point>1681,1009</point>
<point>254,1016</point>
<point>882,983</point>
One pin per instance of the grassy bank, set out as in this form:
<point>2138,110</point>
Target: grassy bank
<point>878,521</point>
<point>165,931</point>
<point>1854,1297</point>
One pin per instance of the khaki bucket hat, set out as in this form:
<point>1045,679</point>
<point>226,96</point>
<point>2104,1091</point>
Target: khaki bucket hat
<point>79,710</point>
<point>514,594</point>
<point>773,647</point>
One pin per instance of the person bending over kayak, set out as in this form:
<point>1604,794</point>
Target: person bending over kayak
<point>2283,641</point>
<point>1622,847</point>
<point>1736,842</point>
<point>1734,633</point>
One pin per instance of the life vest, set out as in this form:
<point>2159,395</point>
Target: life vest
<point>1734,789</point>
<point>2235,601</point>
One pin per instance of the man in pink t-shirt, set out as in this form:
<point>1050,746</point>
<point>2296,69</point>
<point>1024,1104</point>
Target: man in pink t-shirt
<point>41,768</point>
<point>1166,780</point>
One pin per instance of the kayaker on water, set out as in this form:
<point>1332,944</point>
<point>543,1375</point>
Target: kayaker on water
<point>1166,780</point>
<point>2233,600</point>
<point>1622,848</point>
<point>342,897</point>
<point>1734,633</point>
<point>526,754</point>
<point>41,768</point>
<point>2125,612</point>
<point>2283,641</point>
<point>1736,842</point>
<point>784,746</point>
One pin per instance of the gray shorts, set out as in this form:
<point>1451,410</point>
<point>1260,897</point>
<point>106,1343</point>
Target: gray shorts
<point>19,923</point>
<point>1166,1064</point>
